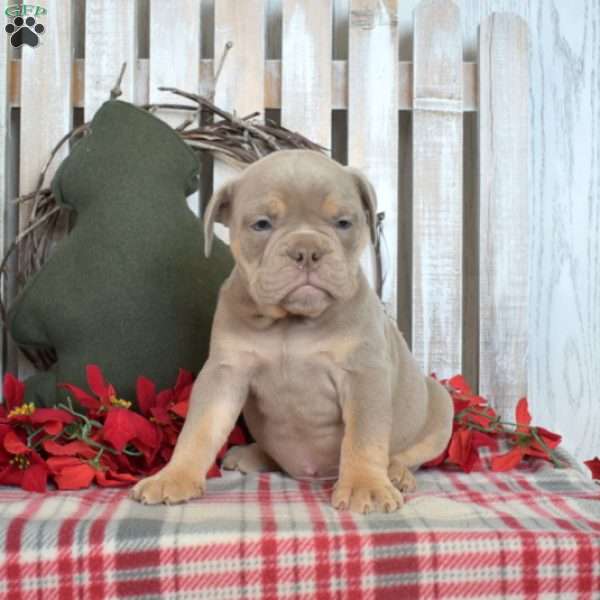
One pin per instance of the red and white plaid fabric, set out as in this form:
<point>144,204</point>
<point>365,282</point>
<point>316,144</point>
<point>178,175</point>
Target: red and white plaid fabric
<point>530,533</point>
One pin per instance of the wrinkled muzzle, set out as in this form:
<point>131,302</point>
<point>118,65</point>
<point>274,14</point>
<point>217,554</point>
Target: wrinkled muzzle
<point>304,270</point>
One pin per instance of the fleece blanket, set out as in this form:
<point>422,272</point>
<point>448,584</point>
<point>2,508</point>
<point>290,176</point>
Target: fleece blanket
<point>528,533</point>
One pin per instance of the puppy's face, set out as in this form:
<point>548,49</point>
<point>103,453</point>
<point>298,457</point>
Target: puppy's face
<point>298,223</point>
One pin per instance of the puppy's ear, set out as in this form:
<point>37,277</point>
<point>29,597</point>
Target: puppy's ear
<point>369,199</point>
<point>219,211</point>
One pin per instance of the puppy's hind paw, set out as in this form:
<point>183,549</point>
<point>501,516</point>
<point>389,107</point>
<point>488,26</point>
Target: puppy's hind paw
<point>248,459</point>
<point>402,478</point>
<point>168,487</point>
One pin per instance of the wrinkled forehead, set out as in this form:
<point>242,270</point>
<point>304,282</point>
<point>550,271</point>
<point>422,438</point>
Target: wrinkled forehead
<point>285,186</point>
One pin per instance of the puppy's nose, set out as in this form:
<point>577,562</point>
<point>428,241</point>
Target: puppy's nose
<point>305,257</point>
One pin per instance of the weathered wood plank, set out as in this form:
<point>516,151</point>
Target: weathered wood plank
<point>306,68</point>
<point>472,13</point>
<point>110,40</point>
<point>46,111</point>
<point>141,92</point>
<point>503,209</point>
<point>273,26</point>
<point>373,120</point>
<point>339,119</point>
<point>339,83</point>
<point>174,58</point>
<point>241,83</point>
<point>174,50</point>
<point>4,115</point>
<point>437,187</point>
<point>4,149</point>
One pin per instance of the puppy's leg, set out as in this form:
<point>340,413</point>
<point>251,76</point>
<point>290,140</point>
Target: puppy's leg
<point>430,443</point>
<point>364,485</point>
<point>249,459</point>
<point>216,401</point>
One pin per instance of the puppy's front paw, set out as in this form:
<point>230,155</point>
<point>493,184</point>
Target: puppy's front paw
<point>366,494</point>
<point>168,486</point>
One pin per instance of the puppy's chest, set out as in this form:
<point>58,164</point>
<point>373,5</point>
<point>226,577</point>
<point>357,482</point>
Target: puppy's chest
<point>296,378</point>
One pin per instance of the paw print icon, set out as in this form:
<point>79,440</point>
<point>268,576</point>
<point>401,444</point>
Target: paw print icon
<point>24,31</point>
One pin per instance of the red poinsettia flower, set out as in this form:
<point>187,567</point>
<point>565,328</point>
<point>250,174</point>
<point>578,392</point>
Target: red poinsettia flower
<point>152,405</point>
<point>20,464</point>
<point>74,448</point>
<point>482,415</point>
<point>166,409</point>
<point>214,471</point>
<point>123,426</point>
<point>157,407</point>
<point>72,473</point>
<point>13,393</point>
<point>462,450</point>
<point>468,407</point>
<point>110,446</point>
<point>549,441</point>
<point>471,413</point>
<point>136,465</point>
<point>523,416</point>
<point>528,441</point>
<point>49,420</point>
<point>111,478</point>
<point>182,391</point>
<point>105,393</point>
<point>458,386</point>
<point>181,408</point>
<point>161,411</point>
<point>594,466</point>
<point>146,395</point>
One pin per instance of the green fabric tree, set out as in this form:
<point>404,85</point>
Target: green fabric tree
<point>129,288</point>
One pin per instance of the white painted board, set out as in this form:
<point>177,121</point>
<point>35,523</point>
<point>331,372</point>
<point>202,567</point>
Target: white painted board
<point>110,41</point>
<point>306,90</point>
<point>46,112</point>
<point>4,148</point>
<point>174,59</point>
<point>373,122</point>
<point>437,188</point>
<point>503,209</point>
<point>241,84</point>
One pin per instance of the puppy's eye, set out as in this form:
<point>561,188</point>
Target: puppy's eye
<point>262,224</point>
<point>343,223</point>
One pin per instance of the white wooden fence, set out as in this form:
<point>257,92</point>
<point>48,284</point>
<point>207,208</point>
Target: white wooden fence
<point>468,312</point>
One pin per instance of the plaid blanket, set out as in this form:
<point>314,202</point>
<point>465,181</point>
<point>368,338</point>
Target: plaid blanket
<point>533,532</point>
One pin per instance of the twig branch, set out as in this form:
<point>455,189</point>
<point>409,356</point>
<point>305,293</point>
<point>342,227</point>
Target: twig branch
<point>116,91</point>
<point>228,47</point>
